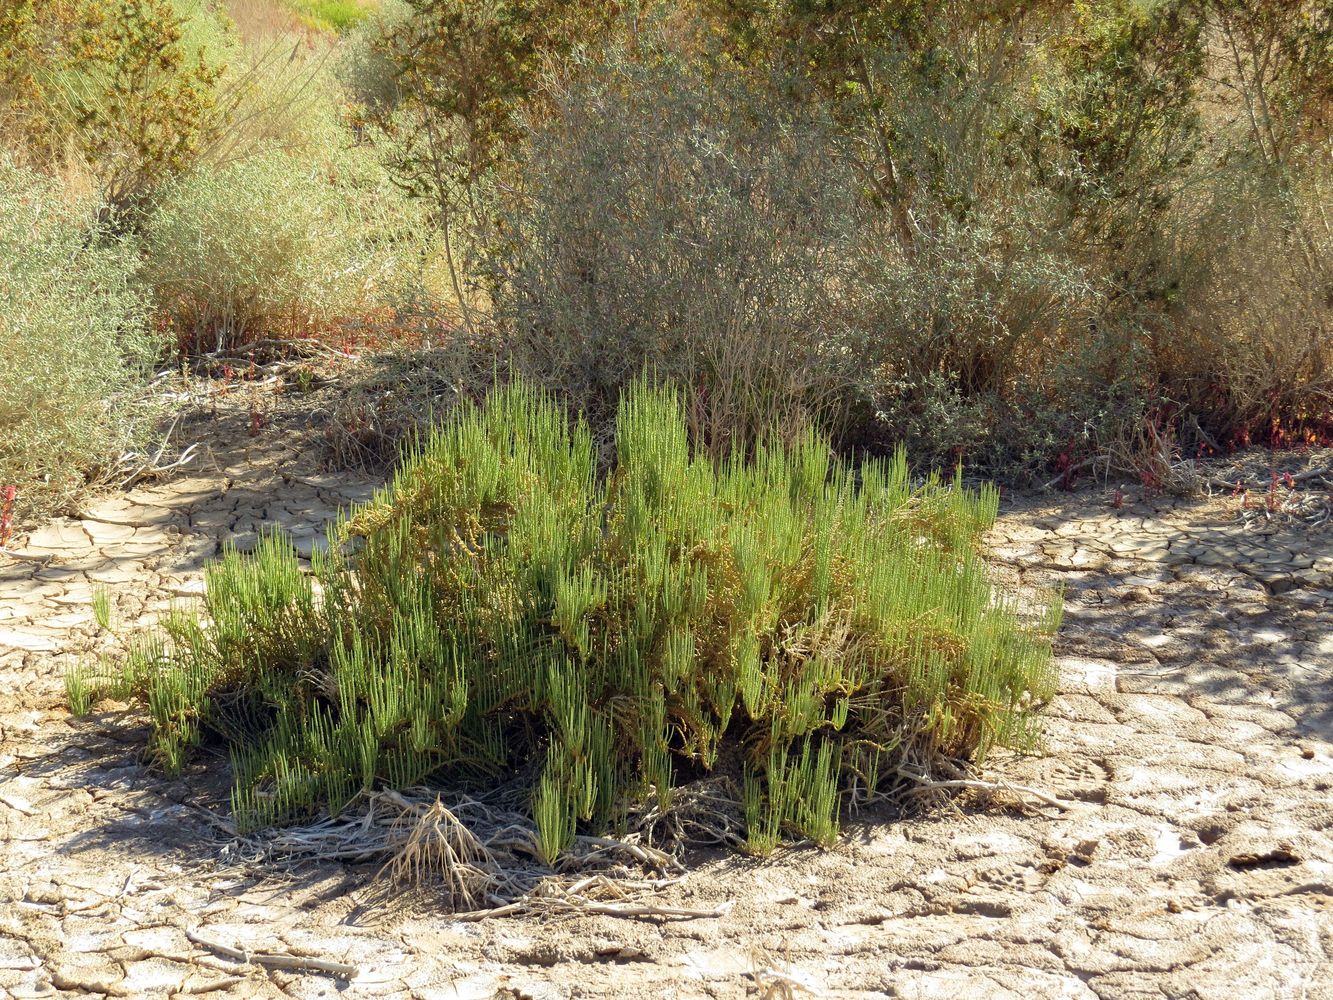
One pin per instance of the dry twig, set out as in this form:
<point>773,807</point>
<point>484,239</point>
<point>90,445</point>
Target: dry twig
<point>977,784</point>
<point>480,851</point>
<point>273,960</point>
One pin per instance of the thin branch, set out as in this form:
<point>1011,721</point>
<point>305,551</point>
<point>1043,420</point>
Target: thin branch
<point>1064,476</point>
<point>275,961</point>
<point>987,786</point>
<point>627,910</point>
<point>1239,484</point>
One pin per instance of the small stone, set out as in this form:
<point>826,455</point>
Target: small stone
<point>1086,850</point>
<point>307,545</point>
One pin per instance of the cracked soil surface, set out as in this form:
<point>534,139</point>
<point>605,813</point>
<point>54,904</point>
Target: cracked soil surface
<point>1191,745</point>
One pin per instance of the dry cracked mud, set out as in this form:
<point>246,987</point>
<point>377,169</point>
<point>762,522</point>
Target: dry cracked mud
<point>1191,747</point>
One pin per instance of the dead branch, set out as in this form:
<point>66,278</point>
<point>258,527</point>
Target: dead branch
<point>986,786</point>
<point>272,960</point>
<point>1064,476</point>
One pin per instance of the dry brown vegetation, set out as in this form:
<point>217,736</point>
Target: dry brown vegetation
<point>1034,238</point>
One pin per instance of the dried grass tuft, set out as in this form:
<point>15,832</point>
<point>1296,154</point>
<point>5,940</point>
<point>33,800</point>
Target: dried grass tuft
<point>476,856</point>
<point>438,847</point>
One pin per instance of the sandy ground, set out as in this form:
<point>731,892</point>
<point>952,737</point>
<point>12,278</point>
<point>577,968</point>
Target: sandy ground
<point>1191,747</point>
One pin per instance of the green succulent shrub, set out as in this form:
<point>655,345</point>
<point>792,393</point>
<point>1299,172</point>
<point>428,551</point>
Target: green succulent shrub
<point>499,608</point>
<point>78,348</point>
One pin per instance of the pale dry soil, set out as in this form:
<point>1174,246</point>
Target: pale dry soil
<point>1192,744</point>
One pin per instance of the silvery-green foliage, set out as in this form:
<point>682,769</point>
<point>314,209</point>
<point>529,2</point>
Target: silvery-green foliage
<point>686,223</point>
<point>76,344</point>
<point>272,245</point>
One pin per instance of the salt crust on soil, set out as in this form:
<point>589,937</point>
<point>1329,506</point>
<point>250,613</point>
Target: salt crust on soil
<point>1192,739</point>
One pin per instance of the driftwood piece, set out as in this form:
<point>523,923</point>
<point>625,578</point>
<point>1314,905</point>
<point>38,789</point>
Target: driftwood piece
<point>273,960</point>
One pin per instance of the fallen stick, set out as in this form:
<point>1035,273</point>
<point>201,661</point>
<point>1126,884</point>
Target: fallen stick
<point>987,786</point>
<point>630,910</point>
<point>275,961</point>
<point>646,910</point>
<point>649,856</point>
<point>1238,484</point>
<point>498,911</point>
<point>1064,477</point>
<point>153,469</point>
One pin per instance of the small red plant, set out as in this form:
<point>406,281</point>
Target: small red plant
<point>1275,501</point>
<point>1118,498</point>
<point>256,422</point>
<point>1067,467</point>
<point>7,515</point>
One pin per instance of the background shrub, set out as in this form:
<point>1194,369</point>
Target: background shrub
<point>509,613</point>
<point>1024,246</point>
<point>334,15</point>
<point>1016,235</point>
<point>1251,354</point>
<point>77,347</point>
<point>271,246</point>
<point>123,91</point>
<point>365,64</point>
<point>690,225</point>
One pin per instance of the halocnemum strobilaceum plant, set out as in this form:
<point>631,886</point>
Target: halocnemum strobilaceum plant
<point>508,610</point>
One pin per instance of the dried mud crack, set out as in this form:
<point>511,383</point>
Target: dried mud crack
<point>1192,742</point>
